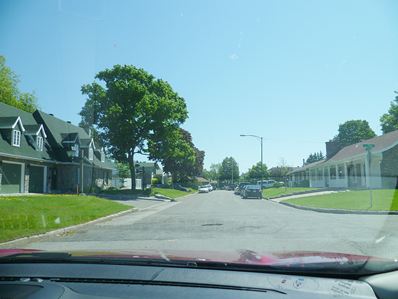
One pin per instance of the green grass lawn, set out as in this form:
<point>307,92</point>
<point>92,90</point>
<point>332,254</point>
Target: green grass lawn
<point>383,200</point>
<point>172,193</point>
<point>22,216</point>
<point>275,192</point>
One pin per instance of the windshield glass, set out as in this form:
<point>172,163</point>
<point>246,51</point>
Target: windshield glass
<point>151,117</point>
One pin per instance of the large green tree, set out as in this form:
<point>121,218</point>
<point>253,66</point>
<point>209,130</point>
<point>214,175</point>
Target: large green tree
<point>389,120</point>
<point>353,131</point>
<point>9,92</point>
<point>178,155</point>
<point>258,171</point>
<point>133,110</point>
<point>229,170</point>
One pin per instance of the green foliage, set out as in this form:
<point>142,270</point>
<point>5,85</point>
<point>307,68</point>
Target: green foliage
<point>133,112</point>
<point>353,131</point>
<point>258,171</point>
<point>315,157</point>
<point>178,155</point>
<point>278,185</point>
<point>9,92</point>
<point>389,120</point>
<point>123,170</point>
<point>279,172</point>
<point>155,181</point>
<point>229,170</point>
<point>213,173</point>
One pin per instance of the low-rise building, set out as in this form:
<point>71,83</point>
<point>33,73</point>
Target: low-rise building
<point>372,163</point>
<point>40,153</point>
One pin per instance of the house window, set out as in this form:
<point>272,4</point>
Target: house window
<point>91,154</point>
<point>312,174</point>
<point>75,150</point>
<point>358,172</point>
<point>333,172</point>
<point>39,143</point>
<point>319,174</point>
<point>16,138</point>
<point>340,170</point>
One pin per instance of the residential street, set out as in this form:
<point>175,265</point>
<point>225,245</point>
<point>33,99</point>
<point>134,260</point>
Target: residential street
<point>222,221</point>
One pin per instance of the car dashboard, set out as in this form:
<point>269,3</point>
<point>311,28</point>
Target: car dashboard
<point>49,280</point>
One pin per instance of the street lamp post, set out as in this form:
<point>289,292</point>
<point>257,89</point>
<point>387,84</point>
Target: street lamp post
<point>261,141</point>
<point>368,147</point>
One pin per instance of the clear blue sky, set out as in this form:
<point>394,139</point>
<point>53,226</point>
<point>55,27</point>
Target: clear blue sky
<point>290,71</point>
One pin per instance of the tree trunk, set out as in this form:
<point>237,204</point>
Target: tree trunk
<point>132,171</point>
<point>174,177</point>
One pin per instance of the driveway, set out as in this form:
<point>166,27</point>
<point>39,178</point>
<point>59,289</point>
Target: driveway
<point>223,221</point>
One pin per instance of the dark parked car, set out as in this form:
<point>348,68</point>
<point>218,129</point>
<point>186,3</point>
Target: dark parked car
<point>252,191</point>
<point>239,188</point>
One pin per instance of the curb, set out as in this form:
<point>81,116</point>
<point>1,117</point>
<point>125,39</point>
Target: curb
<point>69,228</point>
<point>301,193</point>
<point>339,211</point>
<point>184,196</point>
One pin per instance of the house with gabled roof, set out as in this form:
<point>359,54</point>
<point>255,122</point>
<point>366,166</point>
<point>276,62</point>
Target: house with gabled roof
<point>40,153</point>
<point>371,163</point>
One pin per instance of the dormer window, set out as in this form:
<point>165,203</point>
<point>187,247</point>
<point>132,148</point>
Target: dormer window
<point>91,153</point>
<point>75,149</point>
<point>16,138</point>
<point>39,143</point>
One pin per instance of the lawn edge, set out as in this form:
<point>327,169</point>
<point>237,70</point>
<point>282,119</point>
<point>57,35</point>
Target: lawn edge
<point>339,211</point>
<point>299,193</point>
<point>69,228</point>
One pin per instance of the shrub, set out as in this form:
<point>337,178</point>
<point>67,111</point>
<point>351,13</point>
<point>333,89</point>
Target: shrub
<point>278,185</point>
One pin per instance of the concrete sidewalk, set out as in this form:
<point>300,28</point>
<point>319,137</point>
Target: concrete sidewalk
<point>279,199</point>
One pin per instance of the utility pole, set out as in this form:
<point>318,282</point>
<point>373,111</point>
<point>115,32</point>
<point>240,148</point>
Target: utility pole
<point>232,172</point>
<point>262,162</point>
<point>261,184</point>
<point>368,147</point>
<point>81,171</point>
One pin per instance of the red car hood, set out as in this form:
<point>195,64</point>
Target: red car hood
<point>247,257</point>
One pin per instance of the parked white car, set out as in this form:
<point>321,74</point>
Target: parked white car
<point>210,187</point>
<point>204,189</point>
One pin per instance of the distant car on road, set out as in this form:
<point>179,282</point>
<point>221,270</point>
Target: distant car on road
<point>204,189</point>
<point>210,187</point>
<point>240,187</point>
<point>252,191</point>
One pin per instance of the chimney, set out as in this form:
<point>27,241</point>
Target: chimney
<point>51,114</point>
<point>331,149</point>
<point>68,122</point>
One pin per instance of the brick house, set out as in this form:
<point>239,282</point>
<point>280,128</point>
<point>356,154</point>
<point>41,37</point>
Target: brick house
<point>40,153</point>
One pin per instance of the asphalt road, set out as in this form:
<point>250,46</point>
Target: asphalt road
<point>222,221</point>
